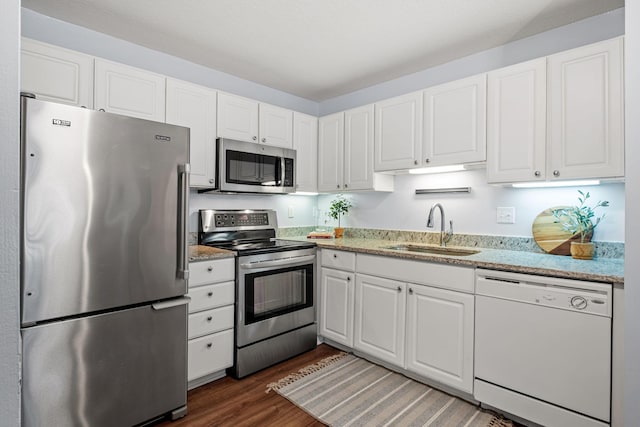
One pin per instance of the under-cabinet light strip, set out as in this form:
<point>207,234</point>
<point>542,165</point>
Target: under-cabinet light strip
<point>443,190</point>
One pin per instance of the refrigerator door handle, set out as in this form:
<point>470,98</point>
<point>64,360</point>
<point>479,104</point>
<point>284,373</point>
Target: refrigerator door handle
<point>183,248</point>
<point>171,303</point>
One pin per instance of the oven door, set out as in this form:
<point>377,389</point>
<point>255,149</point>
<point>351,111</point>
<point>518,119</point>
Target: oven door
<point>276,293</point>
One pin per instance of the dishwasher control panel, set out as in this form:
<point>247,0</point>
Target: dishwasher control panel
<point>573,295</point>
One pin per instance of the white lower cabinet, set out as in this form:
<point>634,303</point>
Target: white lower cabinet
<point>417,316</point>
<point>211,319</point>
<point>380,318</point>
<point>337,283</point>
<point>439,340</point>
<point>336,311</point>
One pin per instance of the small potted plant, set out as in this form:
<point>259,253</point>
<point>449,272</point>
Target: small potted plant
<point>579,220</point>
<point>338,207</point>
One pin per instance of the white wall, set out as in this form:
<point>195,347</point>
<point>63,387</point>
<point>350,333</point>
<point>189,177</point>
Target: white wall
<point>50,30</point>
<point>632,246</point>
<point>475,212</point>
<point>302,207</point>
<point>9,213</point>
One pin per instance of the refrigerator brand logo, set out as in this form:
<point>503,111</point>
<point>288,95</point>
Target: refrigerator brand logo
<point>163,138</point>
<point>60,122</point>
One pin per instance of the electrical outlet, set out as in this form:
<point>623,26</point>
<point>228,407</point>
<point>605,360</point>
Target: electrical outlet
<point>290,211</point>
<point>506,215</point>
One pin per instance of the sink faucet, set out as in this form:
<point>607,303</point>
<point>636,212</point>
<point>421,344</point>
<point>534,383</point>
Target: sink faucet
<point>444,236</point>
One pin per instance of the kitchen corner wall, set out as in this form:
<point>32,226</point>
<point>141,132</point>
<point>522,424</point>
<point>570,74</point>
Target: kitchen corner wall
<point>474,212</point>
<point>10,214</point>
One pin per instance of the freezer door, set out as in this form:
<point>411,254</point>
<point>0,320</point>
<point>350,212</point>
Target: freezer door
<point>103,225</point>
<point>116,369</point>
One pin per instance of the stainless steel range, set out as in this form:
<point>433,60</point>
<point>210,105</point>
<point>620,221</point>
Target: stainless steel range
<point>275,288</point>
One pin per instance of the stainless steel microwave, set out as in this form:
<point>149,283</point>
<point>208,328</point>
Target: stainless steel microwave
<point>247,167</point>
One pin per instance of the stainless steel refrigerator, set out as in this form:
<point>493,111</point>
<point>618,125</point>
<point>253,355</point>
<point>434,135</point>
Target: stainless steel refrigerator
<point>104,267</point>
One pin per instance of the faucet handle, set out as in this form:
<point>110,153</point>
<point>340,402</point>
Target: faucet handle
<point>448,234</point>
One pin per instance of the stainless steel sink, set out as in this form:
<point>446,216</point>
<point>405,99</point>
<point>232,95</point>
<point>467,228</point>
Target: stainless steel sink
<point>438,250</point>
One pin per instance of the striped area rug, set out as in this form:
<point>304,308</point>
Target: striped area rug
<point>345,390</point>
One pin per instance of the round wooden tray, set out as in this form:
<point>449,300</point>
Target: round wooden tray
<point>549,234</point>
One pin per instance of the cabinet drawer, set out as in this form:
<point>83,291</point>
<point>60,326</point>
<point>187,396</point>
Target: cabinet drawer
<point>339,259</point>
<point>211,296</point>
<point>219,270</point>
<point>210,321</point>
<point>210,354</point>
<point>424,273</point>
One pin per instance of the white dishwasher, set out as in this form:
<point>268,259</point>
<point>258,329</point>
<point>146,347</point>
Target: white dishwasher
<point>543,348</point>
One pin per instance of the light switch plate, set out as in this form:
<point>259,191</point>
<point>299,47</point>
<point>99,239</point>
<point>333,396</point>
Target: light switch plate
<point>506,215</point>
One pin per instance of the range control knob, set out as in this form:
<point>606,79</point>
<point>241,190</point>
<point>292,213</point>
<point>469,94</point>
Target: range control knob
<point>578,302</point>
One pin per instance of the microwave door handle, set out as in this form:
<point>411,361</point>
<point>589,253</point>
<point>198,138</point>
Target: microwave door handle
<point>278,262</point>
<point>282,172</point>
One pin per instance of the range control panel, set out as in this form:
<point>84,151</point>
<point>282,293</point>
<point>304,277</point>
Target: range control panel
<point>241,219</point>
<point>227,220</point>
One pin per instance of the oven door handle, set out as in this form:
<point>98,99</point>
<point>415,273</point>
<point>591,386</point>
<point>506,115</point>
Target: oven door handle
<point>283,262</point>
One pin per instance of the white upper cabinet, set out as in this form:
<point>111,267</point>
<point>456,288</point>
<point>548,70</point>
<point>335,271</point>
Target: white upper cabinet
<point>276,125</point>
<point>56,74</point>
<point>331,152</point>
<point>237,117</point>
<point>305,142</point>
<point>516,122</point>
<point>585,112</point>
<point>346,158</point>
<point>245,119</point>
<point>129,91</point>
<point>455,122</point>
<point>194,107</point>
<point>398,132</point>
<point>359,152</point>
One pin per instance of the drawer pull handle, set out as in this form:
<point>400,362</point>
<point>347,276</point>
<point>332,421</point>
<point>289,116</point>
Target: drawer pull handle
<point>348,278</point>
<point>209,319</point>
<point>335,256</point>
<point>210,294</point>
<point>209,345</point>
<point>210,269</point>
<point>399,289</point>
<point>411,291</point>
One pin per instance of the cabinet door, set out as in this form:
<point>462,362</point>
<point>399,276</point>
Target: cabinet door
<point>516,122</point>
<point>358,148</point>
<point>56,74</point>
<point>330,152</point>
<point>194,106</point>
<point>129,91</point>
<point>276,126</point>
<point>237,118</point>
<point>586,129</point>
<point>455,122</point>
<point>440,335</point>
<point>336,306</point>
<point>305,142</point>
<point>398,132</point>
<point>380,318</point>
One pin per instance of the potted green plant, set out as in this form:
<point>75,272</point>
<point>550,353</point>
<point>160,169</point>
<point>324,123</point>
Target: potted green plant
<point>338,207</point>
<point>581,221</point>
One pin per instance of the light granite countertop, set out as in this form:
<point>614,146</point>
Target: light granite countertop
<point>206,253</point>
<point>600,269</point>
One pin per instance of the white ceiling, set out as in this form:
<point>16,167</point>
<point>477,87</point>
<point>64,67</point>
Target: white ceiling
<point>319,49</point>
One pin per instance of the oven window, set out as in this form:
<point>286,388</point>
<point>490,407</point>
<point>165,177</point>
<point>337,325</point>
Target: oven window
<point>253,169</point>
<point>276,292</point>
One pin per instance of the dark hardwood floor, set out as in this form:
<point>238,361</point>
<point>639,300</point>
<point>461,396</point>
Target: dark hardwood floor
<point>231,402</point>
